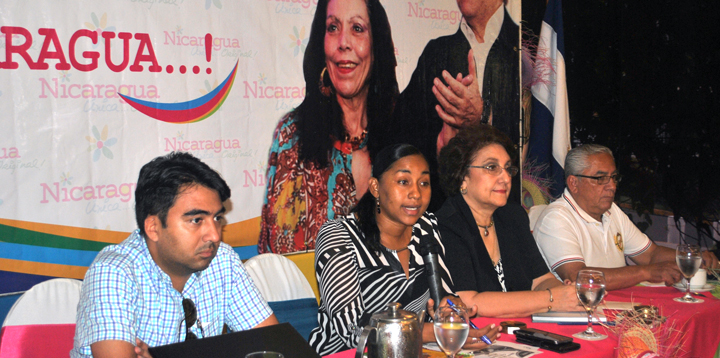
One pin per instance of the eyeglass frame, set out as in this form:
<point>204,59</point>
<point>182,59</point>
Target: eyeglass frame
<point>190,319</point>
<point>616,178</point>
<point>513,168</point>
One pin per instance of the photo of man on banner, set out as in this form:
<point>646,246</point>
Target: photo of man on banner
<point>470,76</point>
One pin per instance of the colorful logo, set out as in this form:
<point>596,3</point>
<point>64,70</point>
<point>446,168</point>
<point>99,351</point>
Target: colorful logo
<point>186,112</point>
<point>208,87</point>
<point>99,25</point>
<point>217,4</point>
<point>66,179</point>
<point>298,41</point>
<point>65,76</point>
<point>100,143</point>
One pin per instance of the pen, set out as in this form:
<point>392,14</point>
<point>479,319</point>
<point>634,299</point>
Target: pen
<point>484,338</point>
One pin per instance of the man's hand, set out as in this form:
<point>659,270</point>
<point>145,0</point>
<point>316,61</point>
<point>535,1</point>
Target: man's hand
<point>460,101</point>
<point>142,349</point>
<point>710,261</point>
<point>666,272</point>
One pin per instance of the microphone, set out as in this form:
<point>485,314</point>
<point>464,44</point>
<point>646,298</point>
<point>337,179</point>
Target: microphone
<point>428,250</point>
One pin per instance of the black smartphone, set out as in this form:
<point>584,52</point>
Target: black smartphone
<point>540,335</point>
<point>559,348</point>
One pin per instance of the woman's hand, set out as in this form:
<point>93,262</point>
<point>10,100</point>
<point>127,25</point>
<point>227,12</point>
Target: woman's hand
<point>431,306</point>
<point>474,341</point>
<point>565,299</point>
<point>443,302</point>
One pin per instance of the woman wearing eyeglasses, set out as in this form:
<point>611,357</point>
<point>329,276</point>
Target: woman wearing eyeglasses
<point>496,264</point>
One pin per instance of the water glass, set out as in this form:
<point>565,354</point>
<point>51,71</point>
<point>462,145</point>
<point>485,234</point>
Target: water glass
<point>451,329</point>
<point>590,290</point>
<point>689,259</point>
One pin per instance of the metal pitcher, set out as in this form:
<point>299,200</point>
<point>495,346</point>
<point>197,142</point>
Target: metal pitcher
<point>392,333</point>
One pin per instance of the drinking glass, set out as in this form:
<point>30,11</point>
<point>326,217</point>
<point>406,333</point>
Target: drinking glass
<point>688,258</point>
<point>451,329</point>
<point>590,289</point>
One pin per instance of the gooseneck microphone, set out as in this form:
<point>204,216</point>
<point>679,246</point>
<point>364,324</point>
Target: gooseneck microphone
<point>429,251</point>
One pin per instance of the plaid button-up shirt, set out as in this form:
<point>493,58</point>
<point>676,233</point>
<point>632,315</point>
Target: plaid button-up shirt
<point>126,295</point>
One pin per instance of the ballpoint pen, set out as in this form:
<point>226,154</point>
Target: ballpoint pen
<point>484,338</point>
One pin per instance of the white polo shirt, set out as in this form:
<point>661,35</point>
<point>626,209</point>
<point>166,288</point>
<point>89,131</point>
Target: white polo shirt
<point>566,233</point>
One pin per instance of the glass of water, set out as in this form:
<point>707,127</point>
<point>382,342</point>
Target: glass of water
<point>689,259</point>
<point>451,329</point>
<point>590,289</point>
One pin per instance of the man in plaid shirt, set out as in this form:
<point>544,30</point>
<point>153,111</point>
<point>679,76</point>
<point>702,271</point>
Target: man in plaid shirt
<point>172,279</point>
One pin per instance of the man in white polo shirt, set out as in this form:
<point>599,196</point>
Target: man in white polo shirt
<point>585,229</point>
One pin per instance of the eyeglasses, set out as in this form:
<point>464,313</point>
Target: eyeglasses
<point>602,179</point>
<point>190,319</point>
<point>495,169</point>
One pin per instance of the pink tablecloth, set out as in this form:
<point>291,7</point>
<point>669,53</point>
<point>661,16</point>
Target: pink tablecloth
<point>700,324</point>
<point>37,340</point>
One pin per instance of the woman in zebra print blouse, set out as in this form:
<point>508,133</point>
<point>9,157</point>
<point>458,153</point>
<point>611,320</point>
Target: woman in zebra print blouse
<point>372,257</point>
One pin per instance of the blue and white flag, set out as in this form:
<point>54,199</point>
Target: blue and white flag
<point>550,119</point>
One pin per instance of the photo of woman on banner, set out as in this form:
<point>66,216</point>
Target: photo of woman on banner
<point>319,163</point>
<point>470,76</point>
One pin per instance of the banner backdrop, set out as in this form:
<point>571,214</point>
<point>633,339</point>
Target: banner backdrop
<point>86,88</point>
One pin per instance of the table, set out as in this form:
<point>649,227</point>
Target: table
<point>699,322</point>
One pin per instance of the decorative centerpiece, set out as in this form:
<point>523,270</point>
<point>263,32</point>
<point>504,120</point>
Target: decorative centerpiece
<point>644,333</point>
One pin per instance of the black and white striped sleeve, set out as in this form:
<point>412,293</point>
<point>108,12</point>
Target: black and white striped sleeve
<point>337,273</point>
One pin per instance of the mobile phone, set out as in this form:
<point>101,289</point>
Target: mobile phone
<point>559,348</point>
<point>543,336</point>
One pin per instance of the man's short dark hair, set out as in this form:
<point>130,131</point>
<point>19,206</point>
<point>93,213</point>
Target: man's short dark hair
<point>162,180</point>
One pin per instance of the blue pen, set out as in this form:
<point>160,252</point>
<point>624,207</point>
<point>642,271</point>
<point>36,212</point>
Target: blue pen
<point>484,338</point>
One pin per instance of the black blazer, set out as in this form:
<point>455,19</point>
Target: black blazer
<point>469,262</point>
<point>415,120</point>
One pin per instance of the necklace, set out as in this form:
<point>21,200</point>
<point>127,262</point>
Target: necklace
<point>351,144</point>
<point>356,141</point>
<point>394,251</point>
<point>492,222</point>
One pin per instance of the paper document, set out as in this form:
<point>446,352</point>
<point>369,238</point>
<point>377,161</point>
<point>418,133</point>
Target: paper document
<point>497,349</point>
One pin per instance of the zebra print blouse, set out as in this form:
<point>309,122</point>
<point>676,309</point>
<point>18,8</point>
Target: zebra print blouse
<point>356,282</point>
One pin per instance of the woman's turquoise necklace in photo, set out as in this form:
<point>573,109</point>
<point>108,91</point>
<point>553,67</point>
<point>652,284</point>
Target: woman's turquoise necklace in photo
<point>351,144</point>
